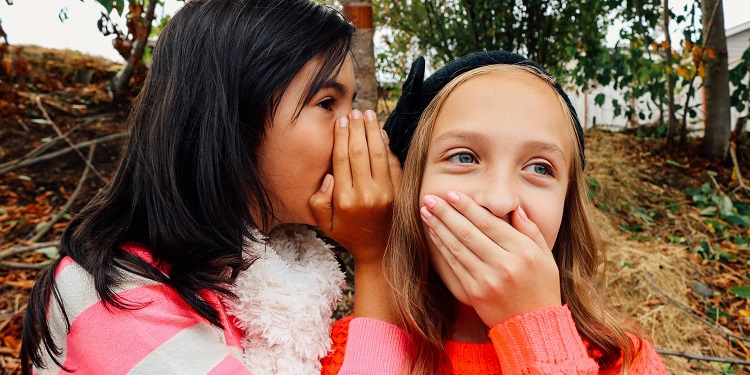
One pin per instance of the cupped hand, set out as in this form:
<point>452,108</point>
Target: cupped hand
<point>355,205</point>
<point>505,269</point>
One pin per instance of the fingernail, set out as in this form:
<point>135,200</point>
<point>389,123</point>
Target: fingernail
<point>343,122</point>
<point>430,201</point>
<point>383,134</point>
<point>522,214</point>
<point>426,214</point>
<point>370,115</point>
<point>326,183</point>
<point>356,114</point>
<point>452,196</point>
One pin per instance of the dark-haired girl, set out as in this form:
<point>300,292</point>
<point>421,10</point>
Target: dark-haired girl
<point>244,126</point>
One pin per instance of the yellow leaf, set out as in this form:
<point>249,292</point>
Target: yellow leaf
<point>683,72</point>
<point>701,70</point>
<point>734,174</point>
<point>697,54</point>
<point>654,47</point>
<point>665,45</point>
<point>745,313</point>
<point>688,45</point>
<point>675,55</point>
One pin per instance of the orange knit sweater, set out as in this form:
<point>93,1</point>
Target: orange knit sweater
<point>517,344</point>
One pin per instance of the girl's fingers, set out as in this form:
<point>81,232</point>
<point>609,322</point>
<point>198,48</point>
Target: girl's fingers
<point>377,148</point>
<point>462,274</point>
<point>342,171</point>
<point>464,228</point>
<point>321,204</point>
<point>463,246</point>
<point>527,227</point>
<point>359,156</point>
<point>496,229</point>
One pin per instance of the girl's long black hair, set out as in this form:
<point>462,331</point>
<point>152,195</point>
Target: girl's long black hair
<point>188,180</point>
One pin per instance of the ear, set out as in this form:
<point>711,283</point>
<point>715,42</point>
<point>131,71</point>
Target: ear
<point>404,118</point>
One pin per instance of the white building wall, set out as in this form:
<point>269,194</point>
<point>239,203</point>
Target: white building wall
<point>589,113</point>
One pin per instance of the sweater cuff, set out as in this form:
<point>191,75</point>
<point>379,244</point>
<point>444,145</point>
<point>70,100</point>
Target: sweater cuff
<point>544,341</point>
<point>374,347</point>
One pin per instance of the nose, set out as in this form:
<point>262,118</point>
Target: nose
<point>499,195</point>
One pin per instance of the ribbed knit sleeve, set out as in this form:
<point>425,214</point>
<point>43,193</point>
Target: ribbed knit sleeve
<point>374,347</point>
<point>541,342</point>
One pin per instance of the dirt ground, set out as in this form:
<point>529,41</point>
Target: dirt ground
<point>652,229</point>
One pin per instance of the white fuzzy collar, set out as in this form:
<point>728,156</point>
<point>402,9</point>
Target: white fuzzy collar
<point>285,303</point>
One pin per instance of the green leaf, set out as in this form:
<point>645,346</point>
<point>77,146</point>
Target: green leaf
<point>709,211</point>
<point>50,252</point>
<point>742,221</point>
<point>678,165</point>
<point>713,312</point>
<point>742,291</point>
<point>599,99</point>
<point>725,206</point>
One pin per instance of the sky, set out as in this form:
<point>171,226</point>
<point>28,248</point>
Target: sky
<point>38,22</point>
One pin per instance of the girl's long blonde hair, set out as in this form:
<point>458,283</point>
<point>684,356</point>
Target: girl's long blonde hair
<point>424,305</point>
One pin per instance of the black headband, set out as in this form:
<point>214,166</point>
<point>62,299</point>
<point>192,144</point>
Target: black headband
<point>417,93</point>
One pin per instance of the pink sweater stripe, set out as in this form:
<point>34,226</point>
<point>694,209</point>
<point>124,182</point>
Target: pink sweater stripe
<point>101,330</point>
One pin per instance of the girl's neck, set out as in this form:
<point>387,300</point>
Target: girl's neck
<point>468,326</point>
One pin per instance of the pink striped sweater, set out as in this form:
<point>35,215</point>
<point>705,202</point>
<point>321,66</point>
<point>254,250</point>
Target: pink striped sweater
<point>165,336</point>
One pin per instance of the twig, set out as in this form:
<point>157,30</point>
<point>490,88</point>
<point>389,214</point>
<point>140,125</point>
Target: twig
<point>38,150</point>
<point>722,330</point>
<point>26,266</point>
<point>70,201</point>
<point>67,140</point>
<point>64,151</point>
<point>702,358</point>
<point>22,249</point>
<point>49,225</point>
<point>733,153</point>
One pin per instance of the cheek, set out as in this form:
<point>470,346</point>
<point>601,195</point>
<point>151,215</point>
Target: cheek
<point>548,216</point>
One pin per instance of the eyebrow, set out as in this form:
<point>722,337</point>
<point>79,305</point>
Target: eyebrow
<point>546,147</point>
<point>460,135</point>
<point>336,85</point>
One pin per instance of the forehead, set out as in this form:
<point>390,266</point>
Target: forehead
<point>506,103</point>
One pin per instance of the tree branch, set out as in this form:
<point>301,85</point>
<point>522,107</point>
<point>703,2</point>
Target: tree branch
<point>702,358</point>
<point>41,232</point>
<point>722,330</point>
<point>67,140</point>
<point>52,155</point>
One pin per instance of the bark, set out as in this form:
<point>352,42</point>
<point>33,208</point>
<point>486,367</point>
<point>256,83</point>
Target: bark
<point>716,82</point>
<point>363,49</point>
<point>121,80</point>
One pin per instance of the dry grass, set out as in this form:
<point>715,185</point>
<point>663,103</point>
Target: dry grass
<point>623,179</point>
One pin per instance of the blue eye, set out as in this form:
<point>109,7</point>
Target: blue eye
<point>326,104</point>
<point>462,158</point>
<point>539,169</point>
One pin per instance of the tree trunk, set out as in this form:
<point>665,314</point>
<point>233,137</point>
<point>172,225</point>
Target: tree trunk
<point>120,81</point>
<point>672,121</point>
<point>715,82</point>
<point>359,12</point>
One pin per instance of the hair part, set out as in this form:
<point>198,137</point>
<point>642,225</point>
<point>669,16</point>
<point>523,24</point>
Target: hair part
<point>419,295</point>
<point>188,182</point>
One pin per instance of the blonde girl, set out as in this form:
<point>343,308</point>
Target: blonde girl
<point>493,260</point>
